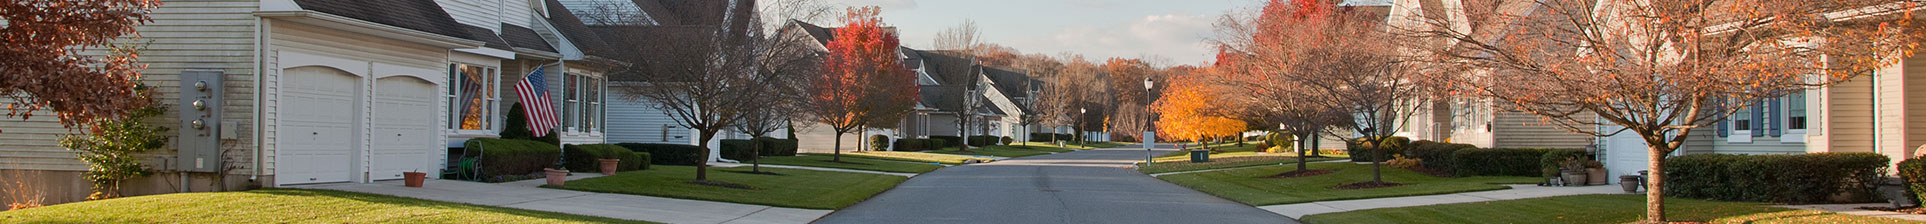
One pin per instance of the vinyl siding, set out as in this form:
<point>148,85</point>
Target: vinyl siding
<point>290,37</point>
<point>1899,129</point>
<point>1524,130</point>
<point>638,121</point>
<point>201,35</point>
<point>1848,116</point>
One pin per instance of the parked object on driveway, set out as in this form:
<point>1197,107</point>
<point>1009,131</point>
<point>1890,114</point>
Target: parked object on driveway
<point>413,179</point>
<point>555,177</point>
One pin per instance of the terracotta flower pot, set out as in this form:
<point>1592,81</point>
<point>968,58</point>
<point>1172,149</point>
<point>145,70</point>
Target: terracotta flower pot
<point>609,166</point>
<point>413,179</point>
<point>1574,178</point>
<point>1597,176</point>
<point>555,176</point>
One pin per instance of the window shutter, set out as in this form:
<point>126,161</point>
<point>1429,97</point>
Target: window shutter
<point>1758,118</point>
<point>1725,125</point>
<point>1774,128</point>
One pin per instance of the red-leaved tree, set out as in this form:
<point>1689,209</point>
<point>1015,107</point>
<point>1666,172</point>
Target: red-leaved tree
<point>43,67</point>
<point>864,78</point>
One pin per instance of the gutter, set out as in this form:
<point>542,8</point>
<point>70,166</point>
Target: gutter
<point>382,30</point>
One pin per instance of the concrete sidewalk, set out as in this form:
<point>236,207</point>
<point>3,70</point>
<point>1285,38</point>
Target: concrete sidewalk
<point>816,169</point>
<point>1516,192</point>
<point>526,195</point>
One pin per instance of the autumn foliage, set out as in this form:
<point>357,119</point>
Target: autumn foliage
<point>1186,107</point>
<point>42,66</point>
<point>864,78</point>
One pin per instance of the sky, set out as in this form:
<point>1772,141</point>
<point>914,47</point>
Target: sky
<point>1169,32</point>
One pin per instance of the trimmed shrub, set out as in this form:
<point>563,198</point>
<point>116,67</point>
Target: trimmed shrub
<point>669,154</point>
<point>512,156</point>
<point>586,158</point>
<point>1496,162</point>
<point>1436,156</point>
<point>642,159</point>
<point>777,146</point>
<point>1792,179</point>
<point>982,140</point>
<point>517,128</point>
<point>910,145</point>
<point>948,141</point>
<point>1007,140</point>
<point>1278,139</point>
<point>878,142</point>
<point>1401,162</point>
<point>1360,148</point>
<point>1913,171</point>
<point>739,149</point>
<point>1553,159</point>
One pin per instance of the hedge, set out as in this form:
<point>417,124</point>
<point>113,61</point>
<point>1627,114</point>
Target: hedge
<point>669,154</point>
<point>878,142</point>
<point>511,156</point>
<point>983,140</point>
<point>1007,140</point>
<point>1792,179</point>
<point>1496,162</point>
<point>1360,153</point>
<point>777,146</point>
<point>949,141</point>
<point>1913,171</point>
<point>1434,156</point>
<point>915,145</point>
<point>586,158</point>
<point>1048,137</point>
<point>1549,164</point>
<point>739,149</point>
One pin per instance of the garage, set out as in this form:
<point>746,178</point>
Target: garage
<point>317,125</point>
<point>404,128</point>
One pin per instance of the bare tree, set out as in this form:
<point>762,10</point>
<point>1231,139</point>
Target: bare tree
<point>701,75</point>
<point>961,37</point>
<point>1659,69</point>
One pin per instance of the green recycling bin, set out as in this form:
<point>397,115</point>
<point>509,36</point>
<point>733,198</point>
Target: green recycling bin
<point>1198,156</point>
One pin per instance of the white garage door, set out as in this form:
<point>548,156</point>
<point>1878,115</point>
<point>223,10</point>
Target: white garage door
<point>405,137</point>
<point>316,135</point>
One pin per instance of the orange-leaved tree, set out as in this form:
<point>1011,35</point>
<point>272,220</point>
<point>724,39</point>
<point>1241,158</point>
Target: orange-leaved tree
<point>1184,110</point>
<point>41,41</point>
<point>863,80</point>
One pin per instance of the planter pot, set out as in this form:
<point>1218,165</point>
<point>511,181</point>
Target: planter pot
<point>1574,179</point>
<point>1597,176</point>
<point>1630,183</point>
<point>555,176</point>
<point>609,166</point>
<point>413,179</point>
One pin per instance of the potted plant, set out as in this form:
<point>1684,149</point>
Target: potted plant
<point>556,176</point>
<point>1595,170</point>
<point>413,178</point>
<point>1573,172</point>
<point>609,165</point>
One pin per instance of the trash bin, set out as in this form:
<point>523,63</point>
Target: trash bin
<point>1198,156</point>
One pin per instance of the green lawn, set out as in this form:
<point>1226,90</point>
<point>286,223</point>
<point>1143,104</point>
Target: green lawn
<point>283,206</point>
<point>1184,164</point>
<point>1583,209</point>
<point>1250,186</point>
<point>788,188</point>
<point>1074,145</point>
<point>1007,151</point>
<point>916,157</point>
<point>852,162</point>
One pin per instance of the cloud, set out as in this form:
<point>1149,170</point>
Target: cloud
<point>1178,37</point>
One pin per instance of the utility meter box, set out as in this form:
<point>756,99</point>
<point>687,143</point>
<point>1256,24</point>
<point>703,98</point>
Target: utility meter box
<point>199,144</point>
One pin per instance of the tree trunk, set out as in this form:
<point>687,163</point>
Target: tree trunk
<point>837,148</point>
<point>702,168</point>
<point>1654,193</point>
<point>1377,151</point>
<point>1313,140</point>
<point>755,150</point>
<point>1300,156</point>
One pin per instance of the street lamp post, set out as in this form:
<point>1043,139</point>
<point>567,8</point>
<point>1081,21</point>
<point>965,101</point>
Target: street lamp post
<point>1082,136</point>
<point>1150,135</point>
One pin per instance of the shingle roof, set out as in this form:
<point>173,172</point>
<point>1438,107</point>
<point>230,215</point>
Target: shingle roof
<point>422,15</point>
<point>1012,83</point>
<point>577,33</point>
<point>822,34</point>
<point>656,11</point>
<point>488,37</point>
<point>949,68</point>
<point>523,37</point>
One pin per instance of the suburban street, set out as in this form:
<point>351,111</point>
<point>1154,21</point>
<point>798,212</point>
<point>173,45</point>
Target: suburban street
<point>1094,186</point>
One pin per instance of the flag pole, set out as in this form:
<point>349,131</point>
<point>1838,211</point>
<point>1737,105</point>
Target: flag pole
<point>561,160</point>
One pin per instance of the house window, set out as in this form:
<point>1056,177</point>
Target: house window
<point>591,102</point>
<point>1742,121</point>
<point>570,100</point>
<point>471,96</point>
<point>1796,111</point>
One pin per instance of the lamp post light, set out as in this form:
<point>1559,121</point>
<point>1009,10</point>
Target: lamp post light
<point>1082,136</point>
<point>1150,135</point>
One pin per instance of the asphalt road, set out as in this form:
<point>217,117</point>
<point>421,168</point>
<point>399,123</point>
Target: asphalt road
<point>1094,186</point>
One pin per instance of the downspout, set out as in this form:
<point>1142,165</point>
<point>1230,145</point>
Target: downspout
<point>260,47</point>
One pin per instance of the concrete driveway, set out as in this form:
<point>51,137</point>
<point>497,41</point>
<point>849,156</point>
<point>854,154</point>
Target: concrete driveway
<point>1094,186</point>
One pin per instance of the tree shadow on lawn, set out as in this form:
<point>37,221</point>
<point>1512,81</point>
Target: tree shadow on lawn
<point>846,162</point>
<point>1300,173</point>
<point>756,173</point>
<point>721,184</point>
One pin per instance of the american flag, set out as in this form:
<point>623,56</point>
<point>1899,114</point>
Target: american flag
<point>533,92</point>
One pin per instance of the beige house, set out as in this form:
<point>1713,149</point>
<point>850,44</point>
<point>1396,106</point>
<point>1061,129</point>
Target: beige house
<point>324,91</point>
